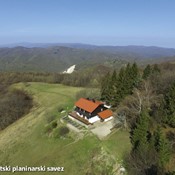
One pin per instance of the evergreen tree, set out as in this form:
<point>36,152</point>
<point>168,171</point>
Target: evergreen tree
<point>131,79</point>
<point>140,134</point>
<point>135,75</point>
<point>114,77</point>
<point>152,151</point>
<point>156,69</point>
<point>162,147</point>
<point>113,88</point>
<point>105,88</point>
<point>120,86</point>
<point>128,83</point>
<point>170,106</point>
<point>147,71</point>
<point>143,150</point>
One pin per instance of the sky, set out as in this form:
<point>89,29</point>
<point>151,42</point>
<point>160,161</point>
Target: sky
<point>100,22</point>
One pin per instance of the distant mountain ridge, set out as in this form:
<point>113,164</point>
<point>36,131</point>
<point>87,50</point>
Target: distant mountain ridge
<point>51,59</point>
<point>139,51</point>
<point>58,57</point>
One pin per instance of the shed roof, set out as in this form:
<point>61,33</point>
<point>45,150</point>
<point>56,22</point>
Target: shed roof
<point>105,114</point>
<point>86,105</point>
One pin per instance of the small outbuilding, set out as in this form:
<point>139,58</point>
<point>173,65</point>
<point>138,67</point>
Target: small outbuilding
<point>105,115</point>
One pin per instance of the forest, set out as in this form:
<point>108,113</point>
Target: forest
<point>13,105</point>
<point>89,77</point>
<point>146,99</point>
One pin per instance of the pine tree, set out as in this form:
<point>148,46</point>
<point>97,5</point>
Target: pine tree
<point>105,88</point>
<point>170,106</point>
<point>162,147</point>
<point>135,75</point>
<point>147,71</point>
<point>156,69</point>
<point>140,134</point>
<point>114,77</point>
<point>128,83</point>
<point>120,86</point>
<point>113,88</point>
<point>131,78</point>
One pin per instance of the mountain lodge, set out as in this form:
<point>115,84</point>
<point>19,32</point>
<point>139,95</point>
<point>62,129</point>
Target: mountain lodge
<point>89,111</point>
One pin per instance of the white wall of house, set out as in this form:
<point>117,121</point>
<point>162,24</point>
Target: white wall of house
<point>94,119</point>
<point>79,114</point>
<point>107,106</point>
<point>107,119</point>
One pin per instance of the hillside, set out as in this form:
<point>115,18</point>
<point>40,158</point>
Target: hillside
<point>54,59</point>
<point>25,142</point>
<point>59,57</point>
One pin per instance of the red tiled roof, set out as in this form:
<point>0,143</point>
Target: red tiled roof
<point>86,105</point>
<point>105,114</point>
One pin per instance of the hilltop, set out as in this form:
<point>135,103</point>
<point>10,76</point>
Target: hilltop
<point>26,143</point>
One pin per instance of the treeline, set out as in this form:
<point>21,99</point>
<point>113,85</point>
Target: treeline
<point>115,87</point>
<point>8,78</point>
<point>13,105</point>
<point>146,99</point>
<point>152,135</point>
<point>90,77</point>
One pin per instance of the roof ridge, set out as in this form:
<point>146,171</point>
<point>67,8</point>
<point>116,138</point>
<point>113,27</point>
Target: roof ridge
<point>86,104</point>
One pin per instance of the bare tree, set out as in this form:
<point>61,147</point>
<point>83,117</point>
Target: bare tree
<point>142,98</point>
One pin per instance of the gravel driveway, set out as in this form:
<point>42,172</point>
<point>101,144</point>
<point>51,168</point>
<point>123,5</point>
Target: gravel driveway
<point>102,129</point>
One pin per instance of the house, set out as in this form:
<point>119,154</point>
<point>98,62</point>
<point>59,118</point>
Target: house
<point>89,111</point>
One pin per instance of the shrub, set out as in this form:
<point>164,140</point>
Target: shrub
<point>54,124</point>
<point>50,118</point>
<point>60,132</point>
<point>63,130</point>
<point>48,129</point>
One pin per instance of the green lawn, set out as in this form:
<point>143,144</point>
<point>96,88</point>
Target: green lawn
<point>118,144</point>
<point>25,143</point>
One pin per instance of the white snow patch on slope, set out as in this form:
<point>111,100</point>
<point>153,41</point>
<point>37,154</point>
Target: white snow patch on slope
<point>70,70</point>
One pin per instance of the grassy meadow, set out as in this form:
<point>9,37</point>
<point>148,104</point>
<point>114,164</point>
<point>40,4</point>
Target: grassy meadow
<point>25,142</point>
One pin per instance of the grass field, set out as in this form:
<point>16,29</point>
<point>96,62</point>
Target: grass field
<point>118,144</point>
<point>24,142</point>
